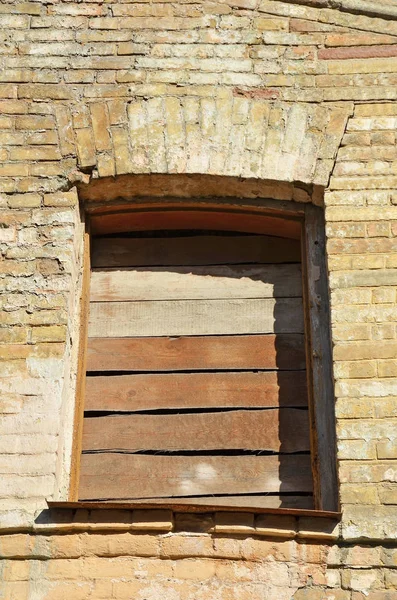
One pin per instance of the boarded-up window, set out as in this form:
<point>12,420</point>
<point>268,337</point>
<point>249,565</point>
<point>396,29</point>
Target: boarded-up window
<point>196,375</point>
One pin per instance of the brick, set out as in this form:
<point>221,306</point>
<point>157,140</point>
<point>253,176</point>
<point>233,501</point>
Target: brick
<point>100,123</point>
<point>51,333</point>
<point>14,22</point>
<point>355,449</point>
<point>277,526</point>
<point>348,53</point>
<point>316,528</point>
<point>24,201</point>
<point>362,580</point>
<point>194,569</point>
<point>359,494</point>
<point>157,520</point>
<point>61,199</point>
<point>229,522</point>
<point>183,546</point>
<point>387,449</point>
<point>369,65</point>
<point>34,153</point>
<point>33,122</point>
<point>85,147</point>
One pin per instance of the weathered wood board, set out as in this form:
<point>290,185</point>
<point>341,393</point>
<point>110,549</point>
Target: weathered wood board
<point>123,476</point>
<point>158,220</point>
<point>197,283</point>
<point>195,390</point>
<point>284,430</point>
<point>282,351</point>
<point>193,250</point>
<point>199,317</point>
<point>264,500</point>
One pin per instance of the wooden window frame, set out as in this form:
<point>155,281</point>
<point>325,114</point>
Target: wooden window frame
<point>280,218</point>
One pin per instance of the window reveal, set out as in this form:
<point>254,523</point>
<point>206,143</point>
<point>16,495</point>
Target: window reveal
<point>196,384</point>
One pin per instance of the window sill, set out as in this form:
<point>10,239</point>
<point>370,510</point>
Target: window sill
<point>272,523</point>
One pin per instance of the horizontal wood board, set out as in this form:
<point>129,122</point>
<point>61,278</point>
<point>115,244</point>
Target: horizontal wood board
<point>282,351</point>
<point>264,500</point>
<point>199,317</point>
<point>129,476</point>
<point>195,390</point>
<point>284,430</point>
<point>197,283</point>
<point>193,250</point>
<point>158,220</point>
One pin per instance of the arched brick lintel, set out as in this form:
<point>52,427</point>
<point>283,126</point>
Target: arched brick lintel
<point>226,136</point>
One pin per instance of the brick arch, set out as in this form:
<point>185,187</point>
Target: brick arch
<point>224,136</point>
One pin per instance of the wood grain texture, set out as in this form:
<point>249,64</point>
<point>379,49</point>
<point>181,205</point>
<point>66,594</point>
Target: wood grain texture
<point>157,219</point>
<point>285,430</point>
<point>239,502</point>
<point>322,405</point>
<point>122,476</point>
<point>196,283</point>
<point>81,370</point>
<point>195,390</point>
<point>282,351</point>
<point>193,250</point>
<point>198,317</point>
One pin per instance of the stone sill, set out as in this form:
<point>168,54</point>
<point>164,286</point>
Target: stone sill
<point>271,523</point>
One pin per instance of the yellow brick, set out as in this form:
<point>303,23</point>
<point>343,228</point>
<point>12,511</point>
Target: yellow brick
<point>78,590</point>
<point>24,201</point>
<point>13,335</point>
<point>194,569</point>
<point>351,493</point>
<point>384,295</point>
<point>179,546</point>
<point>106,166</point>
<point>157,520</point>
<point>100,124</point>
<point>85,147</point>
<point>271,24</point>
<point>65,569</point>
<point>51,333</point>
<point>17,570</point>
<point>356,369</point>
<point>61,198</point>
<point>122,156</point>
<point>367,65</point>
<point>368,262</point>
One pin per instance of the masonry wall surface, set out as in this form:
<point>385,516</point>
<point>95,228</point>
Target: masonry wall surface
<point>248,98</point>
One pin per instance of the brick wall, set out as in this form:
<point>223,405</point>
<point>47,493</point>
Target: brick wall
<point>154,93</point>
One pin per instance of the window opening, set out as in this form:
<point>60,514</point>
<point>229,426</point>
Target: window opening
<point>196,371</point>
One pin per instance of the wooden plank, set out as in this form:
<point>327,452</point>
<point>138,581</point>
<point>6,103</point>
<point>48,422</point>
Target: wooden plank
<point>193,250</point>
<point>322,404</point>
<point>221,220</point>
<point>196,283</point>
<point>198,317</point>
<point>260,501</point>
<point>284,430</point>
<point>81,370</point>
<point>282,351</point>
<point>123,476</point>
<point>195,390</point>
